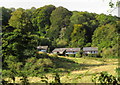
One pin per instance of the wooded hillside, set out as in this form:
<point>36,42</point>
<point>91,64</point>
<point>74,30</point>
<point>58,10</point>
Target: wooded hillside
<point>23,30</point>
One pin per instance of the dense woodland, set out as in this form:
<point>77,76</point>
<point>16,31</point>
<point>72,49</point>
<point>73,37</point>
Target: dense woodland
<point>25,29</point>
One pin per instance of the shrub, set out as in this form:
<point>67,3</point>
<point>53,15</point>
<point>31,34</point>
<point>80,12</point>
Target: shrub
<point>118,71</point>
<point>55,82</point>
<point>35,66</point>
<point>24,80</point>
<point>42,55</point>
<point>105,79</point>
<point>78,54</point>
<point>71,55</point>
<point>4,82</point>
<point>47,63</point>
<point>110,52</point>
<point>31,60</point>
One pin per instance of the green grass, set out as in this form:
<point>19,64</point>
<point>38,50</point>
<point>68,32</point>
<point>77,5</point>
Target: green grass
<point>82,70</point>
<point>79,70</point>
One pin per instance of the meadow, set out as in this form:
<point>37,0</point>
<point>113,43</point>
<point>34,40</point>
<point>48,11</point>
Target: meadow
<point>78,70</point>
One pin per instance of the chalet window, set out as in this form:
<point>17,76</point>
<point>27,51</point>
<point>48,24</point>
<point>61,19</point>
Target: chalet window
<point>69,52</point>
<point>43,50</point>
<point>96,51</point>
<point>74,52</point>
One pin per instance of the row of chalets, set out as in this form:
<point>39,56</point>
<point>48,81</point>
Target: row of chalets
<point>68,51</point>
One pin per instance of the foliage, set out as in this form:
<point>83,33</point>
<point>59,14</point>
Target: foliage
<point>61,42</point>
<point>36,67</point>
<point>44,79</point>
<point>41,19</point>
<point>105,19</point>
<point>4,82</point>
<point>24,80</point>
<point>79,54</point>
<point>25,29</point>
<point>6,14</point>
<point>106,38</point>
<point>55,82</point>
<point>116,4</point>
<point>88,25</point>
<point>78,38</point>
<point>118,71</point>
<point>105,78</point>
<point>59,19</point>
<point>20,19</point>
<point>71,55</point>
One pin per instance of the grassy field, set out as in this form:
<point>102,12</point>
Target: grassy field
<point>79,70</point>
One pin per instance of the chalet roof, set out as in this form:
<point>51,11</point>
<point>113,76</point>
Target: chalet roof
<point>42,47</point>
<point>61,50</point>
<point>90,48</point>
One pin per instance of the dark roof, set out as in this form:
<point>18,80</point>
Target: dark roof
<point>61,50</point>
<point>90,48</point>
<point>42,47</point>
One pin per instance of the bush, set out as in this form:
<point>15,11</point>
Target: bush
<point>78,55</point>
<point>42,55</point>
<point>105,79</point>
<point>56,80</point>
<point>118,71</point>
<point>34,66</point>
<point>6,73</point>
<point>110,52</point>
<point>71,55</point>
<point>24,80</point>
<point>47,63</point>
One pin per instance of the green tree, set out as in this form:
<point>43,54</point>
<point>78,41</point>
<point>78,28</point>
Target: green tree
<point>105,19</point>
<point>20,20</point>
<point>41,19</point>
<point>85,18</point>
<point>30,12</point>
<point>6,14</point>
<point>78,38</point>
<point>20,41</point>
<point>59,19</point>
<point>106,38</point>
<point>61,42</point>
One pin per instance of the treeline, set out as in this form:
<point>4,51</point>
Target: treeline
<point>23,30</point>
<point>59,27</point>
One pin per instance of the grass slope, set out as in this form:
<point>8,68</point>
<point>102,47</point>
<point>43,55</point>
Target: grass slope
<point>78,70</point>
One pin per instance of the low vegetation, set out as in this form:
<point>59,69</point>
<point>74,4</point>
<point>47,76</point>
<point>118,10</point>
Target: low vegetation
<point>73,70</point>
<point>25,29</point>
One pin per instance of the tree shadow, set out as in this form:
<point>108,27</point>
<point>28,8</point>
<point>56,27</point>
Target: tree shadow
<point>70,65</point>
